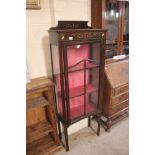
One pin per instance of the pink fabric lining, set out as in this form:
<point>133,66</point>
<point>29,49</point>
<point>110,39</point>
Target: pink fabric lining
<point>77,107</point>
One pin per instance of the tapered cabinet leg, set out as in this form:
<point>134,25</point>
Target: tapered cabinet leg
<point>89,121</point>
<point>59,128</point>
<point>66,137</point>
<point>98,129</point>
<point>98,126</point>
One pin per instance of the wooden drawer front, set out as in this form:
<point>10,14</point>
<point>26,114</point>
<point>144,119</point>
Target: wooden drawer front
<point>119,107</point>
<point>120,98</point>
<point>120,90</point>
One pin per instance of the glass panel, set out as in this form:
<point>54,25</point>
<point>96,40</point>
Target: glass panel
<point>83,77</point>
<point>91,102</point>
<point>112,22</point>
<point>76,83</point>
<point>76,93</point>
<point>126,29</point>
<point>77,53</point>
<point>92,90</point>
<point>56,72</point>
<point>95,54</point>
<point>59,99</point>
<point>76,107</point>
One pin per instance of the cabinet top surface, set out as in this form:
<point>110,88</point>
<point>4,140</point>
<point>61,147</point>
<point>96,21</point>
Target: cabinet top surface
<point>118,73</point>
<point>38,83</point>
<point>76,30</point>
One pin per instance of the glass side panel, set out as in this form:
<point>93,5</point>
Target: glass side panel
<point>58,90</point>
<point>126,29</point>
<point>91,102</point>
<point>95,54</point>
<point>93,77</point>
<point>112,22</point>
<point>92,94</point>
<point>61,103</point>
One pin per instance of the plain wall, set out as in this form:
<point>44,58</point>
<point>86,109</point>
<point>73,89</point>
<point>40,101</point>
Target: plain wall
<point>38,22</point>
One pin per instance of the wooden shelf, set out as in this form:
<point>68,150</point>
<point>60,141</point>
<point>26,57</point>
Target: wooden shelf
<point>43,146</point>
<point>37,131</point>
<point>78,91</point>
<point>37,102</point>
<point>80,67</point>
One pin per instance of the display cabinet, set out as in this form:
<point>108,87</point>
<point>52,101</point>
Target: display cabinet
<point>114,16</point>
<point>77,56</point>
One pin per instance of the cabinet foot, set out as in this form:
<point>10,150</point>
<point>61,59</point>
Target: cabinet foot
<point>89,121</point>
<point>66,137</point>
<point>59,129</point>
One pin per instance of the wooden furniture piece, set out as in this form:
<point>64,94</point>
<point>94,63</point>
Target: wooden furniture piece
<point>112,15</point>
<point>116,92</point>
<point>112,60</point>
<point>41,129</point>
<point>77,53</point>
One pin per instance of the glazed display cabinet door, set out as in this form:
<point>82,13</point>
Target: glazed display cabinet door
<point>117,23</point>
<point>114,16</point>
<point>126,29</point>
<point>112,24</point>
<point>82,63</point>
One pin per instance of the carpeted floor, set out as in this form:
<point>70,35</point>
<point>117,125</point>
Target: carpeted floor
<point>86,142</point>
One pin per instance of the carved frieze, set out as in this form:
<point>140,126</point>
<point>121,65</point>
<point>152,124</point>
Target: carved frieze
<point>80,36</point>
